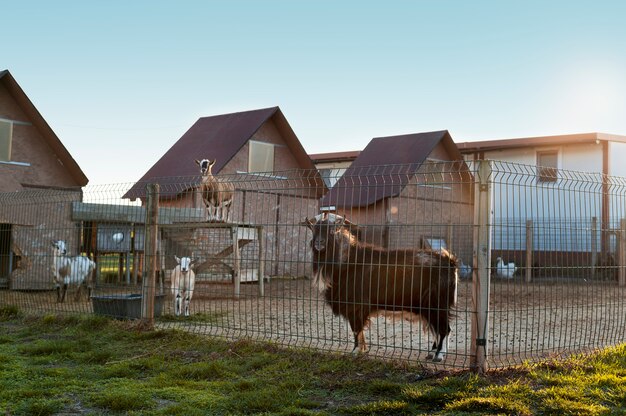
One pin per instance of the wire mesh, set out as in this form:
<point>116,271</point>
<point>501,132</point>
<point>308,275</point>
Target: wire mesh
<point>556,276</point>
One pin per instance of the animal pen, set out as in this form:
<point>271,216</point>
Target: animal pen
<point>564,240</point>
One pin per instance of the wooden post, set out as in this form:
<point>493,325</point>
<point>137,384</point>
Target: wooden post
<point>529,251</point>
<point>594,246</point>
<point>482,268</point>
<point>149,279</point>
<point>236,265</point>
<point>621,254</point>
<point>261,261</point>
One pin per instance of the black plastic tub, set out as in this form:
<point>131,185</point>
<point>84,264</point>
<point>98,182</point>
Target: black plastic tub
<point>124,306</point>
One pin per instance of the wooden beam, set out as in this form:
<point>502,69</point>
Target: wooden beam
<point>82,211</point>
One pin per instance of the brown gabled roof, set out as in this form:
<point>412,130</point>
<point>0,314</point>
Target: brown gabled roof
<point>217,137</point>
<point>42,126</point>
<point>384,167</point>
<point>486,145</point>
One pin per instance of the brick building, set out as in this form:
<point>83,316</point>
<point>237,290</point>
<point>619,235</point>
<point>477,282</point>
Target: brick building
<point>38,181</point>
<point>276,184</point>
<point>408,191</point>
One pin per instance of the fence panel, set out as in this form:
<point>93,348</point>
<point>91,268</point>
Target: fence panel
<point>555,291</point>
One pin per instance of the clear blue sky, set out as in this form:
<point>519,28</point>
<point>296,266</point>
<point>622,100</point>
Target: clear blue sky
<point>121,81</point>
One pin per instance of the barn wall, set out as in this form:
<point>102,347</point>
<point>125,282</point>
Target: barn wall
<point>37,218</point>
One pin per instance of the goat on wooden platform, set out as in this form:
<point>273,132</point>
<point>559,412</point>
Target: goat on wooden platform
<point>183,282</point>
<point>68,270</point>
<point>361,280</point>
<point>217,194</point>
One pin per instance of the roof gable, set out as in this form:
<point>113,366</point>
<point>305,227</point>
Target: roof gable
<point>42,126</point>
<point>384,167</point>
<point>218,137</point>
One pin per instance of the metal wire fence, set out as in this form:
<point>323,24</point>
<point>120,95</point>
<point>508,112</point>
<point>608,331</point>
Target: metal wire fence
<point>541,263</point>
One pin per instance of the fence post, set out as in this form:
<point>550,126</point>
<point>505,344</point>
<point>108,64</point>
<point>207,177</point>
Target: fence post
<point>529,251</point>
<point>621,254</point>
<point>594,245</point>
<point>482,267</point>
<point>149,280</point>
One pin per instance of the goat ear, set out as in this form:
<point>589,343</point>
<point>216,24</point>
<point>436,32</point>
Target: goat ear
<point>197,162</point>
<point>177,259</point>
<point>212,162</point>
<point>308,223</point>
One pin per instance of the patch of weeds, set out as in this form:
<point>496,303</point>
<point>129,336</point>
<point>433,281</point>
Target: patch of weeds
<point>133,367</point>
<point>296,411</point>
<point>153,335</point>
<point>37,406</point>
<point>121,398</point>
<point>211,370</point>
<point>257,362</point>
<point>513,390</point>
<point>485,405</point>
<point>49,320</point>
<point>9,312</point>
<point>93,323</point>
<point>384,387</point>
<point>440,392</point>
<point>49,347</point>
<point>94,356</point>
<point>383,407</point>
<point>559,405</point>
<point>257,401</point>
<point>244,385</point>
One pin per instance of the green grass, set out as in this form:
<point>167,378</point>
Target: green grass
<point>91,365</point>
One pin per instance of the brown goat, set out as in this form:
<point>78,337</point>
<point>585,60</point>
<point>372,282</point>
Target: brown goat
<point>217,194</point>
<point>360,280</point>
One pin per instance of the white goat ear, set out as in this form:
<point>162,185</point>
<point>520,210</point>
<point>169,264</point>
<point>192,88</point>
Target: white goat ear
<point>177,259</point>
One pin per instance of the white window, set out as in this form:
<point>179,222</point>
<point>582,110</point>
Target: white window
<point>547,165</point>
<point>6,133</point>
<point>260,157</point>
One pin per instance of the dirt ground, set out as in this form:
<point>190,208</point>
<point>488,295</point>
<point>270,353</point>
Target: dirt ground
<point>526,321</point>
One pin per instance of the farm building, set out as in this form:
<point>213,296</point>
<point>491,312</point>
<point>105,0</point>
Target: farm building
<point>569,186</point>
<point>276,185</point>
<point>33,163</point>
<point>407,191</point>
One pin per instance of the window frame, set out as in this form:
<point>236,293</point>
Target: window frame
<point>545,173</point>
<point>252,144</point>
<point>9,143</point>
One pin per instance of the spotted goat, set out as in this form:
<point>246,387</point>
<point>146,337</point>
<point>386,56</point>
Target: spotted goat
<point>67,270</point>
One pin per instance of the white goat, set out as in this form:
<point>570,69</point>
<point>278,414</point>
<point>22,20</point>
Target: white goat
<point>217,194</point>
<point>183,281</point>
<point>70,270</point>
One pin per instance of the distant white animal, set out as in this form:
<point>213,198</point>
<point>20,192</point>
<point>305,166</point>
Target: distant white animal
<point>117,238</point>
<point>68,270</point>
<point>183,282</point>
<point>505,270</point>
